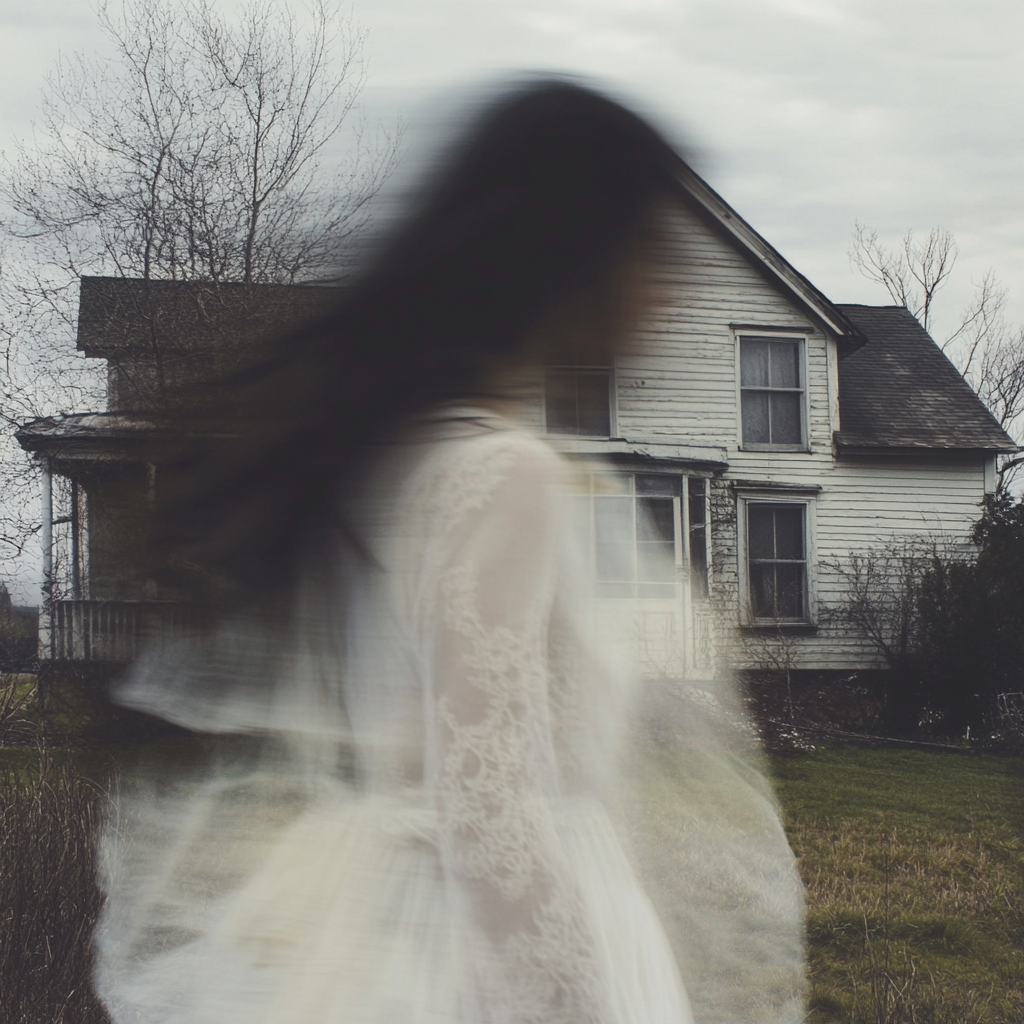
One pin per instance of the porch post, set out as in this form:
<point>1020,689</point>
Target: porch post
<point>46,540</point>
<point>46,610</point>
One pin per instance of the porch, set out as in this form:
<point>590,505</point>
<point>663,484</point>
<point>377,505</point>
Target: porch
<point>112,631</point>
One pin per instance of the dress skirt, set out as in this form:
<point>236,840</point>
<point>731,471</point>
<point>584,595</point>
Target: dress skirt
<point>348,920</point>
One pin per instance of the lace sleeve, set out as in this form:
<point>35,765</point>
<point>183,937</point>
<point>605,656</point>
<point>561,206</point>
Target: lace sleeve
<point>493,762</point>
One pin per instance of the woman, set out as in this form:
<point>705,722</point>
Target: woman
<point>415,823</point>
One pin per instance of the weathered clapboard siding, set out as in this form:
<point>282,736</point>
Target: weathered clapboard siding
<point>680,383</point>
<point>875,503</point>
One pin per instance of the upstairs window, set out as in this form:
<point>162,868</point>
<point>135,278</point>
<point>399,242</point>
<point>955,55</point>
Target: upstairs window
<point>777,561</point>
<point>578,401</point>
<point>772,393</point>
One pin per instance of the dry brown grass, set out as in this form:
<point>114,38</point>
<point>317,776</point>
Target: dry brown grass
<point>48,895</point>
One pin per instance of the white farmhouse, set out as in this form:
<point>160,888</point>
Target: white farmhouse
<point>764,434</point>
<point>755,434</point>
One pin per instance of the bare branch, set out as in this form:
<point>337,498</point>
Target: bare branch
<point>196,149</point>
<point>911,273</point>
<point>982,346</point>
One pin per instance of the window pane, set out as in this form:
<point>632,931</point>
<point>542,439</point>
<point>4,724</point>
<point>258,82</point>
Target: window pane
<point>754,363</point>
<point>660,483</point>
<point>760,531</point>
<point>579,517</point>
<point>785,417</point>
<point>592,398</point>
<point>785,364</point>
<point>789,596</point>
<point>614,562</point>
<point>635,544</point>
<point>613,520</point>
<point>777,567</point>
<point>655,533</point>
<point>696,489</point>
<point>655,519</point>
<point>656,562</point>
<point>614,547</point>
<point>616,590</point>
<point>755,418</point>
<point>789,531</point>
<point>762,591</point>
<point>613,483</point>
<point>560,402</point>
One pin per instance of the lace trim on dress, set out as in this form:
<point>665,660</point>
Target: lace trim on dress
<point>496,783</point>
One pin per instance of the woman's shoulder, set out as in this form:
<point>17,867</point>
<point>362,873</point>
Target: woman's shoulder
<point>460,459</point>
<point>464,434</point>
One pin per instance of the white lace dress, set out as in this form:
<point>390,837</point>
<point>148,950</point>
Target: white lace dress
<point>428,843</point>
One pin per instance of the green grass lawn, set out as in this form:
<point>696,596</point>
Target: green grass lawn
<point>914,867</point>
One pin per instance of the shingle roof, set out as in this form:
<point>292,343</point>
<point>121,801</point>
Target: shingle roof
<point>900,391</point>
<point>116,314</point>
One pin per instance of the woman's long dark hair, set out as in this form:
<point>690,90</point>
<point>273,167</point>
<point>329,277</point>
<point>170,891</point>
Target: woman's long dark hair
<point>544,197</point>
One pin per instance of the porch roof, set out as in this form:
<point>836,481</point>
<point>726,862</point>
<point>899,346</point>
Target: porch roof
<point>93,436</point>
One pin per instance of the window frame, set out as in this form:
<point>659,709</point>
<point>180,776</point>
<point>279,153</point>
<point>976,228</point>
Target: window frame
<point>613,425</point>
<point>684,582</point>
<point>689,530</point>
<point>679,548</point>
<point>807,500</point>
<point>769,334</point>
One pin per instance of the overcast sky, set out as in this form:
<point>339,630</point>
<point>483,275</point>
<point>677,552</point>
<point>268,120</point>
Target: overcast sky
<point>805,114</point>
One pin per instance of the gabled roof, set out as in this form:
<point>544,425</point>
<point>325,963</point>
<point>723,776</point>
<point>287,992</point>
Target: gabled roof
<point>767,259</point>
<point>117,313</point>
<point>900,391</point>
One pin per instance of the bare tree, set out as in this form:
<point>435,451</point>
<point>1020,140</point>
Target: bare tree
<point>200,149</point>
<point>912,272</point>
<point>196,153</point>
<point>983,347</point>
<point>881,589</point>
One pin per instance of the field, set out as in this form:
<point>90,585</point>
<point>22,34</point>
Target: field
<point>914,866</point>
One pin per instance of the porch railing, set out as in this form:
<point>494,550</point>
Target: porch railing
<point>114,630</point>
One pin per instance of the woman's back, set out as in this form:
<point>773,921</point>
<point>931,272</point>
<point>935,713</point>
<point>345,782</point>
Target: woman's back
<point>467,860</point>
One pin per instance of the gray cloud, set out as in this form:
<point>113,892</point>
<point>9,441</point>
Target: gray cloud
<point>805,114</point>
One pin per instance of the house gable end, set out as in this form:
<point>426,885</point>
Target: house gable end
<point>768,261</point>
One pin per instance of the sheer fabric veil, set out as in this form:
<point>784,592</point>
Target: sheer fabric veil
<point>436,794</point>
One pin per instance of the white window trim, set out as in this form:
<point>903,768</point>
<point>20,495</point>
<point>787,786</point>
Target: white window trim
<point>613,393</point>
<point>759,496</point>
<point>681,550</point>
<point>681,529</point>
<point>772,334</point>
